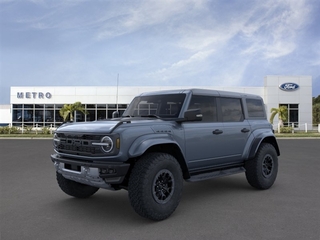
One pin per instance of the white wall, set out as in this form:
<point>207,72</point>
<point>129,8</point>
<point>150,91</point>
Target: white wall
<point>5,114</point>
<point>274,96</point>
<point>100,95</point>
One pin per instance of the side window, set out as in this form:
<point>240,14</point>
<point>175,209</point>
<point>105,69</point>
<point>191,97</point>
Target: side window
<point>231,109</point>
<point>255,108</point>
<point>207,106</point>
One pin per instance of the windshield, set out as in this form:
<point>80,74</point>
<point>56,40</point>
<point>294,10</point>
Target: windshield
<point>162,106</point>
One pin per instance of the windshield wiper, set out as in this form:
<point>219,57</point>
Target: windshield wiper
<point>150,115</point>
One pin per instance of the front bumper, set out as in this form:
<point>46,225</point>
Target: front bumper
<point>101,174</point>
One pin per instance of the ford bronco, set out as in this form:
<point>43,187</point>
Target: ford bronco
<point>162,139</point>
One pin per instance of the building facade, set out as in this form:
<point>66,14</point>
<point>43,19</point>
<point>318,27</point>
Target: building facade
<point>39,106</point>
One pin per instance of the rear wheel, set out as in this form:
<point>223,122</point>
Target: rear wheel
<point>261,172</point>
<point>75,189</point>
<point>155,186</point>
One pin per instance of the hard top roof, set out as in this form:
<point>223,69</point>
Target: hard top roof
<point>201,91</point>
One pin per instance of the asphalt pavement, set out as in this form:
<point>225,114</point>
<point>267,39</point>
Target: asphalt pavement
<point>33,207</point>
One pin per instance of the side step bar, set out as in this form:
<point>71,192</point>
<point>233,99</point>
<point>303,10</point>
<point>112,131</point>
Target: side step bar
<point>215,174</point>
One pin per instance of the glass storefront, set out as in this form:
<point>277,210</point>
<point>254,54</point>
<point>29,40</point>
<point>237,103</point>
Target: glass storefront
<point>39,115</point>
<point>293,115</point>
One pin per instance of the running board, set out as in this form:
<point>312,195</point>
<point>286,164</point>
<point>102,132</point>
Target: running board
<point>215,174</point>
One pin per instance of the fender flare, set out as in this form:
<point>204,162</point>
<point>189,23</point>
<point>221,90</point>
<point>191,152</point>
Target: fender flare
<point>258,139</point>
<point>142,143</point>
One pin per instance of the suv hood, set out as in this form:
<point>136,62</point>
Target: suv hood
<point>101,126</point>
<point>88,127</point>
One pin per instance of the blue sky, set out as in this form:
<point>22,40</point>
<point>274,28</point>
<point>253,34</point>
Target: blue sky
<point>152,42</point>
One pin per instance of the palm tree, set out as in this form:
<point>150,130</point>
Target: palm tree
<point>282,112</point>
<point>66,112</point>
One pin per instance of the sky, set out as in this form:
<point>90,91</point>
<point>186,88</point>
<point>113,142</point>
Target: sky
<point>153,43</point>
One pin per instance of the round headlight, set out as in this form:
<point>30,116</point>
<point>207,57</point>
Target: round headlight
<point>106,144</point>
<point>56,140</point>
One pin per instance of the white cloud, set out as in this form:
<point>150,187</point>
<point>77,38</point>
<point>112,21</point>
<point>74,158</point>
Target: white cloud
<point>316,60</point>
<point>275,28</point>
<point>133,16</point>
<point>195,59</point>
<point>279,48</point>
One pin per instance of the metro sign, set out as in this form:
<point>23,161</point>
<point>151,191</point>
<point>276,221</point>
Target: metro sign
<point>289,86</point>
<point>34,95</point>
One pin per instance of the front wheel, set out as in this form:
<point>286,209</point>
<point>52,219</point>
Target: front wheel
<point>261,172</point>
<point>75,189</point>
<point>155,186</point>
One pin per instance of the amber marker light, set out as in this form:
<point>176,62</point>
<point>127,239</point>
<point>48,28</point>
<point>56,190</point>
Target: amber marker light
<point>118,143</point>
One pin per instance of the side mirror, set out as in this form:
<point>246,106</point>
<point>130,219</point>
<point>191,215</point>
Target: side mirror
<point>115,114</point>
<point>193,115</point>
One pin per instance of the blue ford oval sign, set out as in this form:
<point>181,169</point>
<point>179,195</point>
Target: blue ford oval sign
<point>289,86</point>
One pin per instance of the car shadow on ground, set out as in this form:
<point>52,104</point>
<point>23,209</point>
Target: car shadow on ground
<point>115,206</point>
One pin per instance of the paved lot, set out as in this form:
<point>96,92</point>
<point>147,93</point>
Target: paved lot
<point>33,206</point>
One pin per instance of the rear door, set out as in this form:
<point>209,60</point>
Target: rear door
<point>236,129</point>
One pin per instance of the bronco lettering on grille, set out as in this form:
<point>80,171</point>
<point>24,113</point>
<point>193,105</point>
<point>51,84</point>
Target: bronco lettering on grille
<point>77,142</point>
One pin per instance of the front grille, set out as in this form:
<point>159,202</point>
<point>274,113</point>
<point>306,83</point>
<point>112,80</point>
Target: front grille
<point>71,148</point>
<point>79,144</point>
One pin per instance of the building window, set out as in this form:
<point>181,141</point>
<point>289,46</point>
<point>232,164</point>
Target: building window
<point>101,111</point>
<point>57,118</point>
<point>91,113</point>
<point>48,114</point>
<point>293,115</point>
<point>38,115</point>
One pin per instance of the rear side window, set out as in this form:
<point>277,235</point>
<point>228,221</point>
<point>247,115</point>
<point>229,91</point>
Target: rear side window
<point>231,110</point>
<point>255,108</point>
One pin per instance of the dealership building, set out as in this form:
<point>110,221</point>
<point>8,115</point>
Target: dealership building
<point>40,105</point>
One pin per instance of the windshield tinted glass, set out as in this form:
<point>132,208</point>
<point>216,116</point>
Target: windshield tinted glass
<point>163,106</point>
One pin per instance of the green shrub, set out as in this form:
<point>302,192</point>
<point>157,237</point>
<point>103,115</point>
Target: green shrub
<point>28,129</point>
<point>4,130</point>
<point>286,129</point>
<point>14,130</point>
<point>45,130</point>
<point>9,130</point>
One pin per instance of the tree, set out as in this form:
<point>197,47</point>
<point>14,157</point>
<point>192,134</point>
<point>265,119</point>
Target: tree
<point>282,112</point>
<point>316,110</point>
<point>316,100</point>
<point>66,112</point>
<point>316,113</point>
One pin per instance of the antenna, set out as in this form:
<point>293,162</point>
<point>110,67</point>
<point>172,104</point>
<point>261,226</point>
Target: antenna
<point>116,114</point>
<point>117,91</point>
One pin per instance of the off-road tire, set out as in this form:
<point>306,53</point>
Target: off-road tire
<point>261,172</point>
<point>75,189</point>
<point>155,186</point>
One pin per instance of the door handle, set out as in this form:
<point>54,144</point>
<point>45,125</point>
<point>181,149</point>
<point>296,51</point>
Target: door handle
<point>217,131</point>
<point>245,130</point>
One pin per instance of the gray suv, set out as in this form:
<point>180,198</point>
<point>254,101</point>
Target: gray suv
<point>162,139</point>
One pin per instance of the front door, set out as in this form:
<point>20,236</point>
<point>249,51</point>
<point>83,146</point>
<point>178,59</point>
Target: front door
<point>204,147</point>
